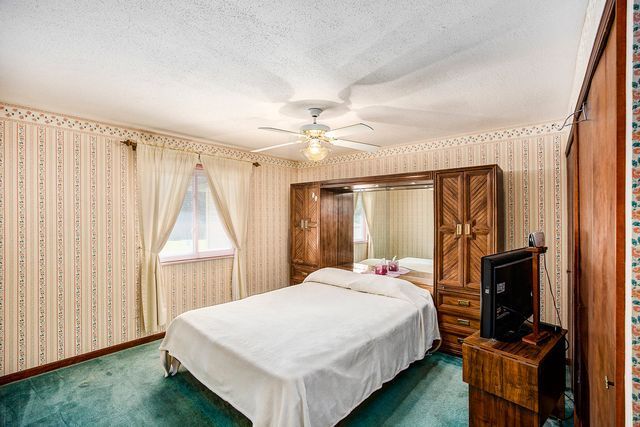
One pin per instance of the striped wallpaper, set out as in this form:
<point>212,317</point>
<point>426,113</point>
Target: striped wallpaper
<point>399,226</point>
<point>69,245</point>
<point>68,218</point>
<point>410,230</point>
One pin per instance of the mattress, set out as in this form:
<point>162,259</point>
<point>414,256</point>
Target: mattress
<point>308,354</point>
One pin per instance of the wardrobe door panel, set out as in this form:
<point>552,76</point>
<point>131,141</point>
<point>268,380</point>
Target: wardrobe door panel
<point>312,229</point>
<point>479,223</point>
<point>449,223</point>
<point>298,215</point>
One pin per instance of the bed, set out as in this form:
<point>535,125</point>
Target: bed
<point>308,354</point>
<point>422,265</point>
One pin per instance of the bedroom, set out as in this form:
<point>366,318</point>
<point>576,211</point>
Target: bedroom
<point>137,186</point>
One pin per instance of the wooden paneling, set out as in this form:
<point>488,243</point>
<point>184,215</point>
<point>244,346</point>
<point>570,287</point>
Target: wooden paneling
<point>344,237</point>
<point>449,218</point>
<point>479,235</point>
<point>297,228</point>
<point>312,229</point>
<point>328,228</point>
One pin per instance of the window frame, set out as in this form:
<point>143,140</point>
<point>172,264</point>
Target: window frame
<point>364,238</point>
<point>196,255</point>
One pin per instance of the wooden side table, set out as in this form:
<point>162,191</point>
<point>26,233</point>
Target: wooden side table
<point>513,384</point>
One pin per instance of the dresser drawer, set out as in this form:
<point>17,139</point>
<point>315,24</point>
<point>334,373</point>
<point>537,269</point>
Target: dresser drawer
<point>460,321</point>
<point>458,302</point>
<point>452,342</point>
<point>299,273</point>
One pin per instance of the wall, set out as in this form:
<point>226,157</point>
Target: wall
<point>532,159</point>
<point>410,230</point>
<point>399,226</point>
<point>68,237</point>
<point>68,220</point>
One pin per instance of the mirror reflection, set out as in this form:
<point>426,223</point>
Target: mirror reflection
<point>395,223</point>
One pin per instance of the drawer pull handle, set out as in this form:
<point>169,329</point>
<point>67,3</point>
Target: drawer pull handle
<point>303,273</point>
<point>464,303</point>
<point>460,340</point>
<point>464,322</point>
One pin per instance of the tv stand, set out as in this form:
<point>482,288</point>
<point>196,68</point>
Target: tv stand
<point>514,383</point>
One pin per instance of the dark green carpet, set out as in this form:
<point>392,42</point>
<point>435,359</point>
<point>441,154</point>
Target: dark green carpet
<point>128,388</point>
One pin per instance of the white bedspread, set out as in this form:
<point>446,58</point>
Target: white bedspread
<point>306,355</point>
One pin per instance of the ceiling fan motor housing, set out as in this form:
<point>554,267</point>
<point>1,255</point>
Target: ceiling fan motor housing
<point>314,127</point>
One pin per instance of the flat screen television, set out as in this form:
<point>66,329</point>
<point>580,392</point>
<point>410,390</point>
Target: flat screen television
<point>506,301</point>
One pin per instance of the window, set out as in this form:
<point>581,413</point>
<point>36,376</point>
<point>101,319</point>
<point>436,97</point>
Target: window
<point>198,231</point>
<point>359,223</point>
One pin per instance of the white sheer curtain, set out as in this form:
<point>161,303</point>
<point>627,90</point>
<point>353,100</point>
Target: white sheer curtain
<point>163,178</point>
<point>368,206</point>
<point>230,184</point>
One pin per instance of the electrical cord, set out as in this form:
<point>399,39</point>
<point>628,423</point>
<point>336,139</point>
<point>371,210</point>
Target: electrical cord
<point>553,296</point>
<point>555,304</point>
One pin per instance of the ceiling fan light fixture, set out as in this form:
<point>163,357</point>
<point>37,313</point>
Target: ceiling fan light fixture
<point>315,151</point>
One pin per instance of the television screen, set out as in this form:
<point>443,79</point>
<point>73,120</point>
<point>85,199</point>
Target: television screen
<point>507,300</point>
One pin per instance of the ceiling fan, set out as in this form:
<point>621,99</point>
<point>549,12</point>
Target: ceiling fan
<point>320,138</point>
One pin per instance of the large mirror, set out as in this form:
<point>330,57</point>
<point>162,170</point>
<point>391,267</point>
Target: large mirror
<point>394,222</point>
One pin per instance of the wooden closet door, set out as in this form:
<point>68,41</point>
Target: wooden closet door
<point>449,226</point>
<point>600,267</point>
<point>312,229</point>
<point>298,215</point>
<point>479,205</point>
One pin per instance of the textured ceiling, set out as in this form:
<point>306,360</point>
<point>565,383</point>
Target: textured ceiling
<point>217,70</point>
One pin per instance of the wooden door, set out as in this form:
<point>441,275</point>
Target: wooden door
<point>298,215</point>
<point>312,225</point>
<point>572,268</point>
<point>600,280</point>
<point>479,223</point>
<point>449,227</point>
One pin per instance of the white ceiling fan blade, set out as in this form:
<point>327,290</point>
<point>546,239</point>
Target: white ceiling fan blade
<point>361,146</point>
<point>279,130</point>
<point>258,150</point>
<point>349,130</point>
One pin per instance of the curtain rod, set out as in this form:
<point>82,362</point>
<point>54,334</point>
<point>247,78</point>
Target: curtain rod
<point>133,145</point>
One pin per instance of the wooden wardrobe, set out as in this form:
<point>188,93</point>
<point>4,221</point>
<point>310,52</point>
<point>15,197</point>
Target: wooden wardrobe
<point>468,219</point>
<point>596,203</point>
<point>469,225</point>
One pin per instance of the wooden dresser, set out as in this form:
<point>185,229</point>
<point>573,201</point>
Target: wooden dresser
<point>513,384</point>
<point>469,224</point>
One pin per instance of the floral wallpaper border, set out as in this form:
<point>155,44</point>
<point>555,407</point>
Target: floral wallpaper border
<point>635,217</point>
<point>36,116</point>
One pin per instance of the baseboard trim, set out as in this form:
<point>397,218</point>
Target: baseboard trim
<point>21,375</point>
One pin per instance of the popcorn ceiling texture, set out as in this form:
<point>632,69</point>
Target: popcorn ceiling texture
<point>413,69</point>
